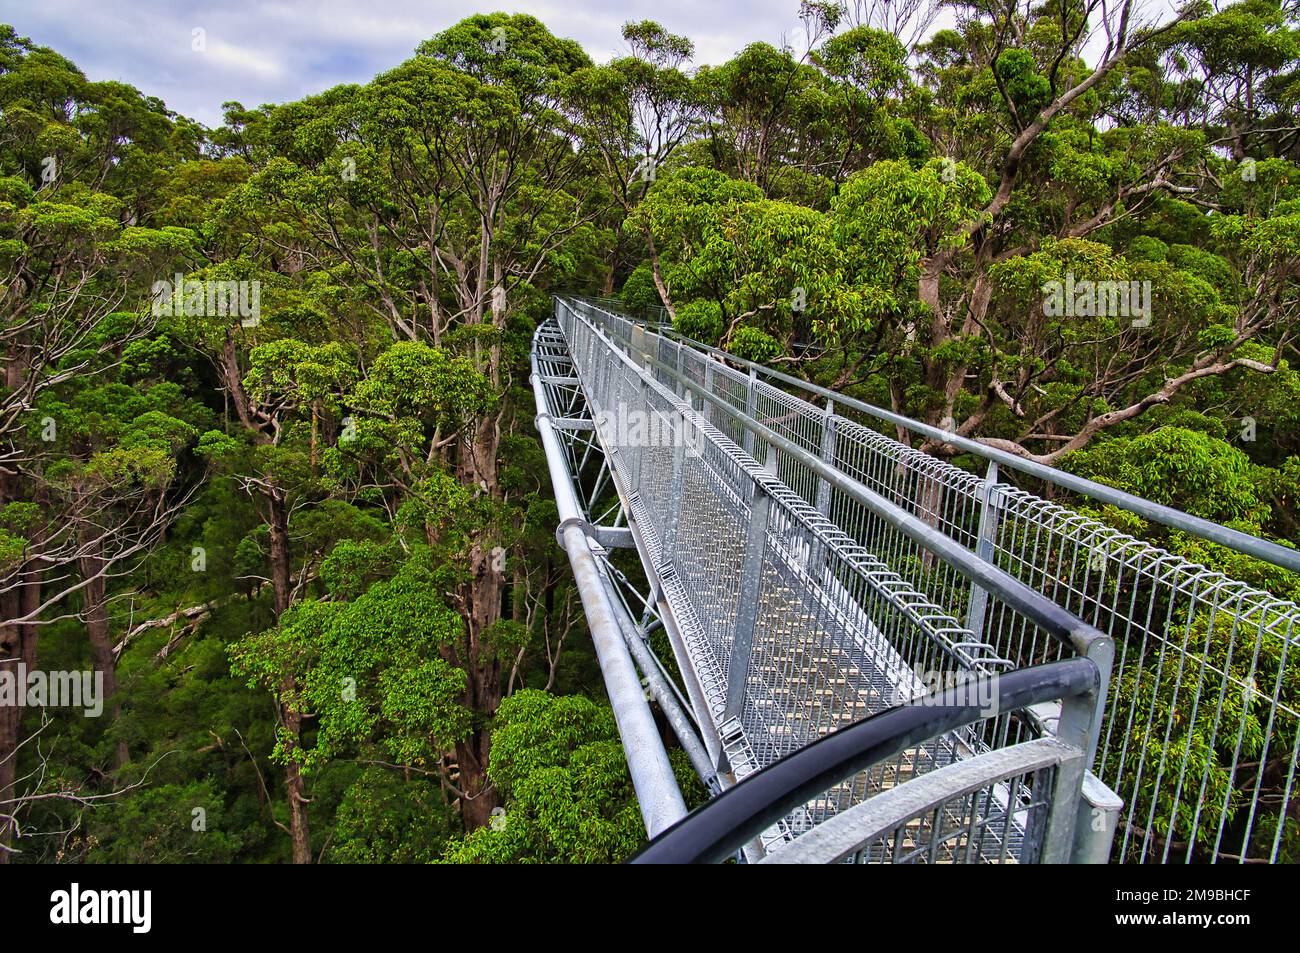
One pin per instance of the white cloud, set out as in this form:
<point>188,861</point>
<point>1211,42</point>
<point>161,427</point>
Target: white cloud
<point>262,51</point>
<point>231,58</point>
<point>280,50</point>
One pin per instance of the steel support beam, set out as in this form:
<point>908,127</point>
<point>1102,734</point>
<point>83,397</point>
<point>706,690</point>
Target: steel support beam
<point>659,797</point>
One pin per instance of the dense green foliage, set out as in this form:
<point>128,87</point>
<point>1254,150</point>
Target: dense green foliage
<point>308,544</point>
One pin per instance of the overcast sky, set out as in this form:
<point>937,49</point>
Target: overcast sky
<point>261,51</point>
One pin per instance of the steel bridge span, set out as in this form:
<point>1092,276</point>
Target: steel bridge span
<point>871,655</point>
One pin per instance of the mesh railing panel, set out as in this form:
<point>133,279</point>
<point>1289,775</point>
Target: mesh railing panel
<point>1203,725</point>
<point>830,631</point>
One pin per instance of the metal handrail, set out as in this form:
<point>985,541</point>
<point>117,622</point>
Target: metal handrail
<point>713,832</point>
<point>658,794</point>
<point>1202,662</point>
<point>888,826</point>
<point>1065,626</point>
<point>1245,543</point>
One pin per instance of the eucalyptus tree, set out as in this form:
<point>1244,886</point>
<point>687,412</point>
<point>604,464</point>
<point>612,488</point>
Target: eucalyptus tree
<point>484,161</point>
<point>284,374</point>
<point>765,266</point>
<point>908,21</point>
<point>759,101</point>
<point>443,196</point>
<point>1017,155</point>
<point>868,82</point>
<point>767,108</point>
<point>1232,75</point>
<point>560,763</point>
<point>633,114</point>
<point>1048,381</point>
<point>86,481</point>
<point>1034,157</point>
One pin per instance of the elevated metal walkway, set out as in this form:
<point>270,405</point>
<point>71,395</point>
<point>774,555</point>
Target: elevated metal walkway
<point>806,577</point>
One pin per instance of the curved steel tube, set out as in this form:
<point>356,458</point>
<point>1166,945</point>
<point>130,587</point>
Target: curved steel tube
<point>716,830</point>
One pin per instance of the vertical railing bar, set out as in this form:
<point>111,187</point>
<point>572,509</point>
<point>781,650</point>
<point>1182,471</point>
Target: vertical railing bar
<point>747,602</point>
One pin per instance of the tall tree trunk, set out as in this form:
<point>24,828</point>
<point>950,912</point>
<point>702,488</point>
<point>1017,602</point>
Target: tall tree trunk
<point>485,591</point>
<point>617,254</point>
<point>479,800</point>
<point>281,576</point>
<point>233,380</point>
<point>290,719</point>
<point>12,650</point>
<point>95,616</point>
<point>18,643</point>
<point>483,690</point>
<point>660,285</point>
<point>299,831</point>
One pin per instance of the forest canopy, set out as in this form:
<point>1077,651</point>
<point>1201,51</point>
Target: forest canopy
<point>267,461</point>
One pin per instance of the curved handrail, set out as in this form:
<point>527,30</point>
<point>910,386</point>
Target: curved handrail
<point>716,830</point>
<point>866,823</point>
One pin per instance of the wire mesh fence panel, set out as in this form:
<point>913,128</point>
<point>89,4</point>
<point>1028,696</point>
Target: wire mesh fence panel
<point>1202,728</point>
<point>794,625</point>
<point>1000,823</point>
